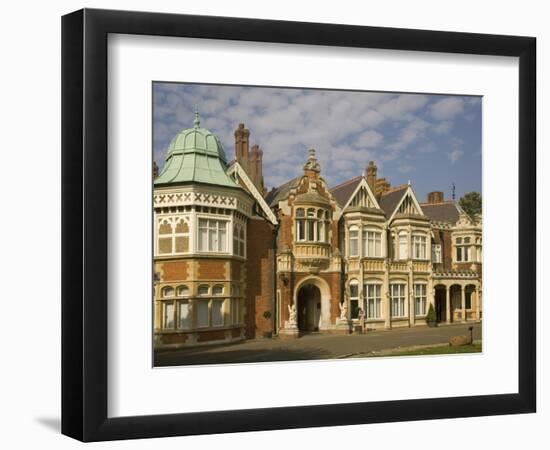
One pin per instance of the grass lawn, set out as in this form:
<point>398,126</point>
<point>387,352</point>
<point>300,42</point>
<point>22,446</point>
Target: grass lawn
<point>436,350</point>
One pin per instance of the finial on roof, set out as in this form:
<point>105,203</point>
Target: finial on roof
<point>197,120</point>
<point>409,183</point>
<point>312,163</point>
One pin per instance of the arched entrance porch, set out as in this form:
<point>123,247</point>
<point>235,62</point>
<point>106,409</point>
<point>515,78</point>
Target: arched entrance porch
<point>313,304</point>
<point>309,308</point>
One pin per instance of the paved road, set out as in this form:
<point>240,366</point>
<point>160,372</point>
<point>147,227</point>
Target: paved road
<point>313,346</point>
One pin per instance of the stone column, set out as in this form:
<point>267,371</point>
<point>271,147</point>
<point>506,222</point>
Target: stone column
<point>447,304</point>
<point>410,292</point>
<point>463,302</point>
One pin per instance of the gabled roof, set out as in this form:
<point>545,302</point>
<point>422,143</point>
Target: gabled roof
<point>344,191</point>
<point>250,186</point>
<point>442,212</point>
<point>390,199</point>
<point>280,192</point>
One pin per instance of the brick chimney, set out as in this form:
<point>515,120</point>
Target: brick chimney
<point>255,170</point>
<point>370,173</point>
<point>435,197</point>
<point>155,170</point>
<point>242,135</point>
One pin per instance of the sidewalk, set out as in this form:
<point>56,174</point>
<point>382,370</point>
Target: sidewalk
<point>313,346</point>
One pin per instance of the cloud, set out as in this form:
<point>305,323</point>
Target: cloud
<point>447,108</point>
<point>346,128</point>
<point>455,155</point>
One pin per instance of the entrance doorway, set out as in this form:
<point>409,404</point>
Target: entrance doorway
<point>309,308</point>
<point>441,303</point>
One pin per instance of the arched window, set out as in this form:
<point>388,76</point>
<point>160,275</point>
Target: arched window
<point>167,291</point>
<point>353,241</point>
<point>173,236</point>
<point>203,289</point>
<point>182,291</point>
<point>217,289</point>
<point>164,237</point>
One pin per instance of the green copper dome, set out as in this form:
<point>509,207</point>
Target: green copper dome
<point>195,155</point>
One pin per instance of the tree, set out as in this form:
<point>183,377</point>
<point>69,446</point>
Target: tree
<point>471,203</point>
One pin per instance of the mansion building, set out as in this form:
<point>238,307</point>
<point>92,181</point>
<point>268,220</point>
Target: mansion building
<point>233,261</point>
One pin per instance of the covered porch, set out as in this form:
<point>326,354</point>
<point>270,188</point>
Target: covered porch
<point>457,298</point>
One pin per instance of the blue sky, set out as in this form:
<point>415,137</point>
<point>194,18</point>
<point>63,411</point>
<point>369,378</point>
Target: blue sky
<point>431,140</point>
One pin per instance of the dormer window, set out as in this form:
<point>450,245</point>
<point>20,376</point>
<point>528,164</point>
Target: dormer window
<point>462,249</point>
<point>311,225</point>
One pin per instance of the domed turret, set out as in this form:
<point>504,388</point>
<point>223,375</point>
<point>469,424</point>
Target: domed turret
<point>195,155</point>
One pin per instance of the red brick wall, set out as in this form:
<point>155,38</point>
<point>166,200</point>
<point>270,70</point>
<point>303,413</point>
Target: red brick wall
<point>174,271</point>
<point>259,294</point>
<point>211,270</point>
<point>447,249</point>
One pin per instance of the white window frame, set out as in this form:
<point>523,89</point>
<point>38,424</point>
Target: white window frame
<point>398,292</point>
<point>356,231</point>
<point>420,299</point>
<point>239,242</point>
<point>374,236</point>
<point>204,247</point>
<point>419,246</point>
<point>173,222</point>
<point>164,318</point>
<point>372,292</point>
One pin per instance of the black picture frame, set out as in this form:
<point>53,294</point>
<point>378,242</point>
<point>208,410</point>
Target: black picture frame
<point>84,224</point>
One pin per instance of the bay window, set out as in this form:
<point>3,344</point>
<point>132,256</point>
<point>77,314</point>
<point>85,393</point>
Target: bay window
<point>212,235</point>
<point>372,243</point>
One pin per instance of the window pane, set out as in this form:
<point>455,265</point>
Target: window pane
<point>203,289</point>
<point>165,228</point>
<point>184,314</point>
<point>182,291</point>
<point>217,313</point>
<point>168,318</point>
<point>300,212</point>
<point>354,290</point>
<point>182,244</point>
<point>217,290</point>
<point>222,237</point>
<point>167,291</point>
<point>182,227</point>
<point>203,239</point>
<point>202,313</point>
<point>165,245</point>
